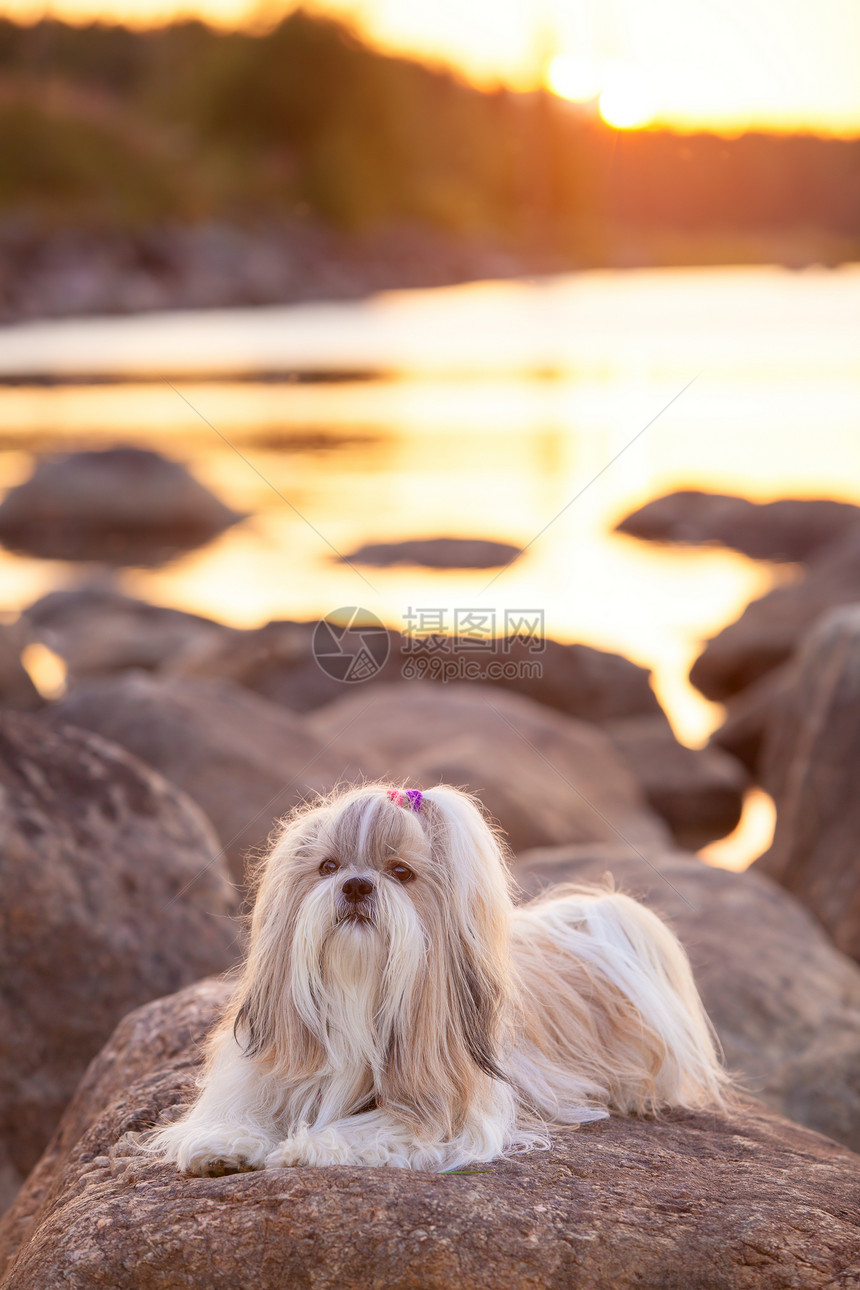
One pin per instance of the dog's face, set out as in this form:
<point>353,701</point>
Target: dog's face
<point>356,866</point>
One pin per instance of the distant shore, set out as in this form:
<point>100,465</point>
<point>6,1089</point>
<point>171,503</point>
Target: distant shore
<point>69,271</point>
<point>78,271</point>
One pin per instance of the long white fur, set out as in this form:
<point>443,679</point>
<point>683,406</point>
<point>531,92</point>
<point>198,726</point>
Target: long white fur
<point>454,1027</point>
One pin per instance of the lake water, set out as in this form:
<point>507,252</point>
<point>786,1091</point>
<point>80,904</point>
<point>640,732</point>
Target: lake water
<point>534,412</point>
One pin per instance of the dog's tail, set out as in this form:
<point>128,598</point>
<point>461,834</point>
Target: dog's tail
<point>608,999</point>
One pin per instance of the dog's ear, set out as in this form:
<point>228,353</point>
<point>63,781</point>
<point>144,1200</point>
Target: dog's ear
<point>441,1057</point>
<point>474,852</point>
<point>478,1000</point>
<point>266,1022</point>
<point>248,1027</point>
<point>479,914</point>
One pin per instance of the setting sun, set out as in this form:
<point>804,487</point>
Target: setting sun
<point>625,99</point>
<point>736,66</point>
<point>618,86</point>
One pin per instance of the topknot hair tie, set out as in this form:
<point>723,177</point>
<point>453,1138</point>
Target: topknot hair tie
<point>411,799</point>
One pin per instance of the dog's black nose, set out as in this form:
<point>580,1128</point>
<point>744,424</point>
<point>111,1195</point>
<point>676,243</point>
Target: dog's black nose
<point>356,889</point>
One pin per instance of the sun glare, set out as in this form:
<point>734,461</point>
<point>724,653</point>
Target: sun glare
<point>784,65</point>
<point>625,99</point>
<point>575,79</point>
<point>619,88</point>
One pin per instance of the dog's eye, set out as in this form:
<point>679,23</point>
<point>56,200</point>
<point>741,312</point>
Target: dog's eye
<point>402,872</point>
<point>329,866</point>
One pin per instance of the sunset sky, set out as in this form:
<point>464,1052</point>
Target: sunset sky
<point>721,64</point>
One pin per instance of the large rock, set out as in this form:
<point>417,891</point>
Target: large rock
<point>771,627</point>
<point>790,529</point>
<point>591,684</point>
<point>785,1003</point>
<point>119,505</point>
<point>112,893</point>
<point>699,792</point>
<point>694,1201</point>
<point>437,553</point>
<point>97,630</point>
<point>277,661</point>
<point>743,729</point>
<point>546,778</point>
<point>17,690</point>
<point>244,761</point>
<point>812,768</point>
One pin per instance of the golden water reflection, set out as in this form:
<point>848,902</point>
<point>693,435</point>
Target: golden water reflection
<point>393,459</point>
<point>548,461</point>
<point>752,836</point>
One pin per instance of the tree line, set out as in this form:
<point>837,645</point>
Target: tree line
<point>103,125</point>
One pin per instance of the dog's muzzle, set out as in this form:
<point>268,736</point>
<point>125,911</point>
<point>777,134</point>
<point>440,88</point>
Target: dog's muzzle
<point>357,903</point>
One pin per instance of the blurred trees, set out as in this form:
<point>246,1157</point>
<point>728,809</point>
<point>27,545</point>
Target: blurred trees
<point>105,125</point>
<point>66,157</point>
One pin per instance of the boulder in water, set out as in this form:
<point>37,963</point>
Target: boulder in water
<point>119,506</point>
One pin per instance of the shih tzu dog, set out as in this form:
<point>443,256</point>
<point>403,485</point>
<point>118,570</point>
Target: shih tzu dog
<point>397,1009</point>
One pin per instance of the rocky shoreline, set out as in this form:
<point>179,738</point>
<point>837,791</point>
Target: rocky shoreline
<point>135,799</point>
<point>75,271</point>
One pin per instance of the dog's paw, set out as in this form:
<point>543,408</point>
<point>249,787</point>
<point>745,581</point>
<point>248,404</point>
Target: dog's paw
<point>321,1147</point>
<point>220,1166</point>
<point>315,1147</point>
<point>223,1152</point>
